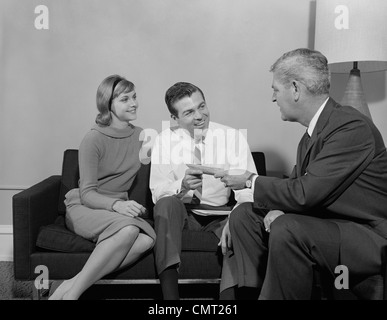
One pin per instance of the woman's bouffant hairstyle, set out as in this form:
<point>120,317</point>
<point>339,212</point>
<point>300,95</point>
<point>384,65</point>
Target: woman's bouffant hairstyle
<point>110,88</point>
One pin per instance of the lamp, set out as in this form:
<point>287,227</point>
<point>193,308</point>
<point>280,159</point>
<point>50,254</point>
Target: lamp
<point>352,34</point>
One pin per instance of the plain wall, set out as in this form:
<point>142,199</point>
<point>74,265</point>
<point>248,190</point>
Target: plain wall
<point>48,78</point>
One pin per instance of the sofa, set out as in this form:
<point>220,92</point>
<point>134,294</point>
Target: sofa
<point>40,236</point>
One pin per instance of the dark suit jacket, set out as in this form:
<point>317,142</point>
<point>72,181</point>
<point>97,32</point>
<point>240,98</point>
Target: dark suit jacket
<point>342,176</point>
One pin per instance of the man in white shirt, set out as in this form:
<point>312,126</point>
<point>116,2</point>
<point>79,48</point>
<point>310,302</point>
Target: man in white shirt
<point>189,196</point>
<point>331,211</point>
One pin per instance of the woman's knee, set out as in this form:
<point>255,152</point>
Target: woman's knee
<point>148,242</point>
<point>127,235</point>
<point>143,244</point>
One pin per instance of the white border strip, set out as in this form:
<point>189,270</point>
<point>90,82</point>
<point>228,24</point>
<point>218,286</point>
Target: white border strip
<point>10,188</point>
<point>6,229</point>
<point>6,243</point>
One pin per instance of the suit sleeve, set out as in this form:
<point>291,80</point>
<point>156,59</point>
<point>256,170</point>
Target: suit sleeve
<point>345,151</point>
<point>244,161</point>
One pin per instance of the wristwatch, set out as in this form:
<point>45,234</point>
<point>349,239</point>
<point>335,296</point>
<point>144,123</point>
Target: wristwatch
<point>249,181</point>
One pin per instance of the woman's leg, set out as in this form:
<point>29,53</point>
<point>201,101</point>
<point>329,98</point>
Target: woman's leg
<point>142,244</point>
<point>106,257</point>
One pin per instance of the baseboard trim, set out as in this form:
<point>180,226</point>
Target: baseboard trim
<point>12,187</point>
<point>6,258</point>
<point>6,229</point>
<point>6,243</point>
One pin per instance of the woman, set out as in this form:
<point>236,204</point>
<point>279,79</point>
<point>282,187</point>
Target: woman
<point>99,210</point>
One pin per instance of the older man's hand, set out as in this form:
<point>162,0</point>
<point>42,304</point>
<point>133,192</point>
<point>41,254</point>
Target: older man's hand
<point>270,217</point>
<point>234,178</point>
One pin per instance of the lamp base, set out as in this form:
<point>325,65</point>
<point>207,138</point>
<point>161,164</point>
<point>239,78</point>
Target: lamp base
<point>354,95</point>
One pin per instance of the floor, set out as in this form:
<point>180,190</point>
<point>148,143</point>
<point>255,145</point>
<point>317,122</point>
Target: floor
<point>10,289</point>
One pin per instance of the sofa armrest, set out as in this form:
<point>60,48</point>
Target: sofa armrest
<point>32,208</point>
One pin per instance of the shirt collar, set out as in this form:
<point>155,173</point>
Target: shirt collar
<point>313,122</point>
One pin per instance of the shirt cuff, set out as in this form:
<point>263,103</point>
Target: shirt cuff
<point>253,183</point>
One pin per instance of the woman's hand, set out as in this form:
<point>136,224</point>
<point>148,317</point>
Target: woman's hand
<point>129,208</point>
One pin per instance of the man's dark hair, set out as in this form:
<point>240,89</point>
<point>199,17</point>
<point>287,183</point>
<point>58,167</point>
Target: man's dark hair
<point>179,91</point>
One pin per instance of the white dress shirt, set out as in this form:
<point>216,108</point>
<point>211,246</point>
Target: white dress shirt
<point>223,147</point>
<point>313,122</point>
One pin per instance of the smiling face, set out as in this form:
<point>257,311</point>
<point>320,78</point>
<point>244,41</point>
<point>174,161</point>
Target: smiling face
<point>192,113</point>
<point>124,107</point>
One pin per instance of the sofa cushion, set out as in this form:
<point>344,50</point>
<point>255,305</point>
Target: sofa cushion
<point>56,237</point>
<point>140,192</point>
<point>199,241</point>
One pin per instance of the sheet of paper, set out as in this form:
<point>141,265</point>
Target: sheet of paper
<point>204,169</point>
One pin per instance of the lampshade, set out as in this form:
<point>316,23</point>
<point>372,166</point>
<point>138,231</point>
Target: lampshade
<point>352,34</point>
<point>352,30</point>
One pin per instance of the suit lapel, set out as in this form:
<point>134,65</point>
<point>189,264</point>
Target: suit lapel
<point>321,123</point>
<point>324,117</point>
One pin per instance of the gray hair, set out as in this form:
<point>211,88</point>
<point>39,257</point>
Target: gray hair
<point>307,66</point>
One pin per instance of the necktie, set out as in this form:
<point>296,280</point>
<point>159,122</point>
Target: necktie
<point>304,158</point>
<point>197,196</point>
<point>305,144</point>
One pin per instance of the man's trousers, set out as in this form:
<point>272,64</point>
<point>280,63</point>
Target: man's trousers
<point>170,218</point>
<point>281,264</point>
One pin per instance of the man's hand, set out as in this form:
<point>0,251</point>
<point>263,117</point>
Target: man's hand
<point>129,208</point>
<point>192,179</point>
<point>235,179</point>
<point>270,217</point>
<point>225,240</point>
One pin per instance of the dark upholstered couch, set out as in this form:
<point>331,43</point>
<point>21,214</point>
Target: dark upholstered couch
<point>41,238</point>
